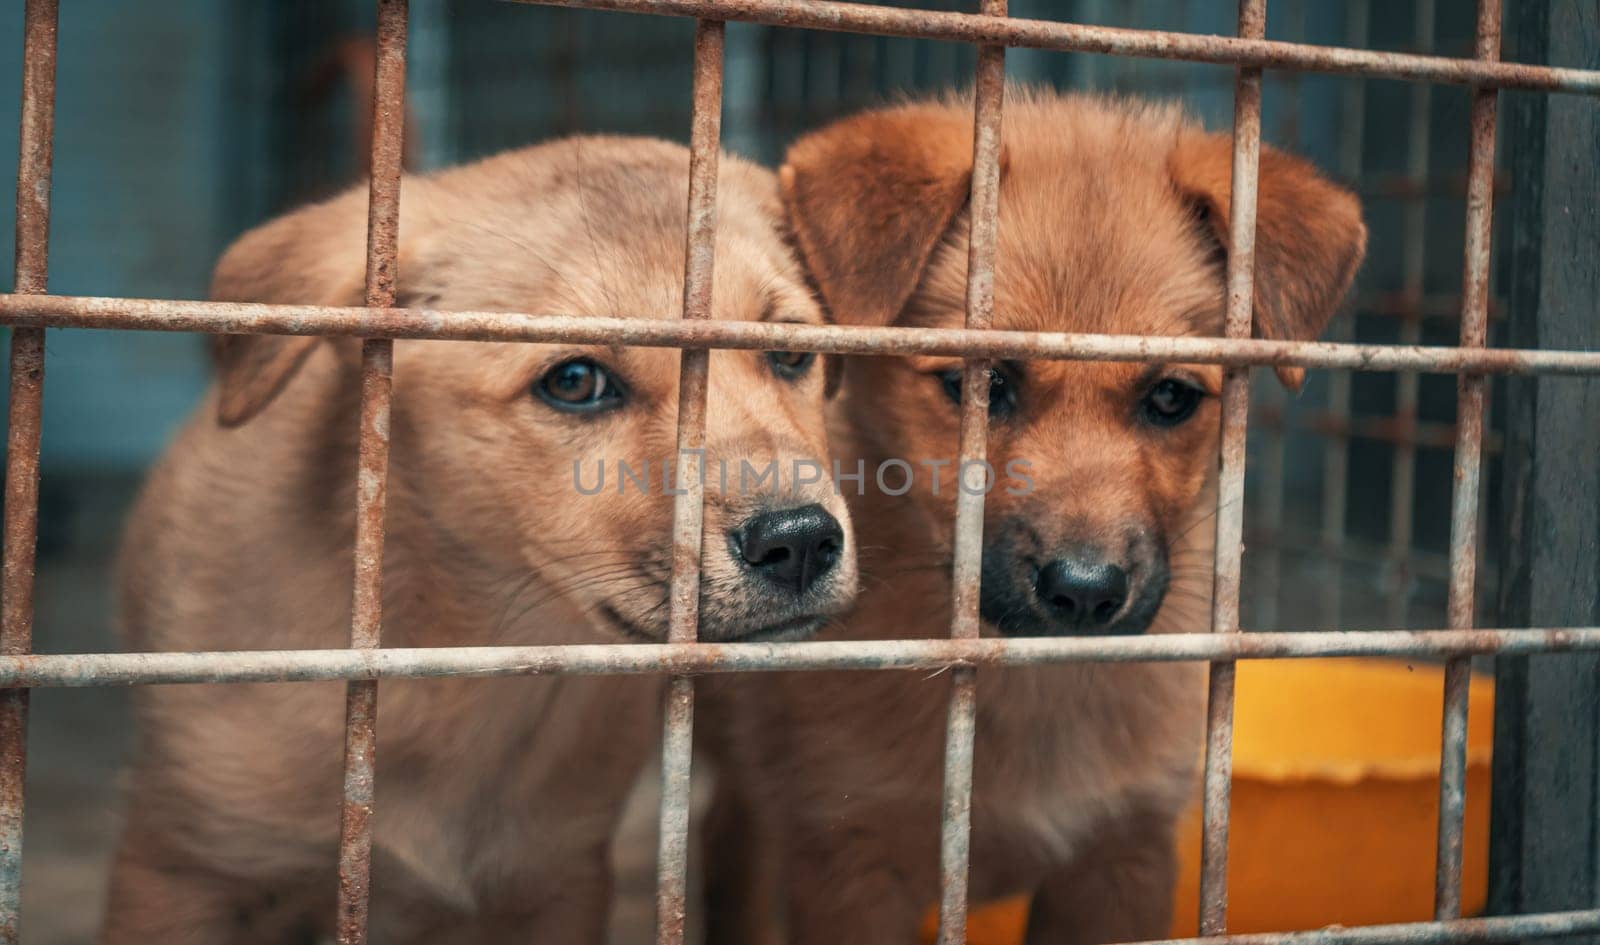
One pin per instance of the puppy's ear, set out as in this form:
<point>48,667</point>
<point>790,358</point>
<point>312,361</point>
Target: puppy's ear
<point>868,198</point>
<point>1309,235</point>
<point>314,256</point>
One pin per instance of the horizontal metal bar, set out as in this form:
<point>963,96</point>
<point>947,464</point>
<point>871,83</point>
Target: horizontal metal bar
<point>1077,37</point>
<point>1454,932</point>
<point>61,311</point>
<point>138,669</point>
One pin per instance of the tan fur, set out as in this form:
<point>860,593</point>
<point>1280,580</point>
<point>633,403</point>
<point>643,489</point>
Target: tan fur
<point>829,799</point>
<point>495,799</point>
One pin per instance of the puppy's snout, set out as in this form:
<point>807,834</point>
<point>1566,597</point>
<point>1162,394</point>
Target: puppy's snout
<point>1083,591</point>
<point>791,548</point>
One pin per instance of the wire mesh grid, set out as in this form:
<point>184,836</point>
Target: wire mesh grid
<point>30,310</point>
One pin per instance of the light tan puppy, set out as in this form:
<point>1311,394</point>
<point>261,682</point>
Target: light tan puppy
<point>1113,218</point>
<point>496,799</point>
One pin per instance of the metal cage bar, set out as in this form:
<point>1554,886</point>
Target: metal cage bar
<point>62,311</point>
<point>1230,481</point>
<point>28,312</point>
<point>35,150</point>
<point>372,475</point>
<point>1454,932</point>
<point>73,670</point>
<point>1077,37</point>
<point>961,727</point>
<point>1464,507</point>
<point>688,510</point>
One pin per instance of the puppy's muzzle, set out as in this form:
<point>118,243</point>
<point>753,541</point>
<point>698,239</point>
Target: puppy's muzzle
<point>1077,588</point>
<point>1082,593</point>
<point>790,549</point>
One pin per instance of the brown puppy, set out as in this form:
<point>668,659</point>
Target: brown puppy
<point>1113,218</point>
<point>495,798</point>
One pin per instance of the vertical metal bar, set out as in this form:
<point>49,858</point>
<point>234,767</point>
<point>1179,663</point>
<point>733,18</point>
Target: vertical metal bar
<point>1230,488</point>
<point>1403,464</point>
<point>1336,451</point>
<point>372,475</point>
<point>688,510</point>
<point>955,832</point>
<point>35,149</point>
<point>1468,463</point>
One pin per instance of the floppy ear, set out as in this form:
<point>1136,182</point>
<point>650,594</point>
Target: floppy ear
<point>1309,235</point>
<point>868,198</point>
<point>313,256</point>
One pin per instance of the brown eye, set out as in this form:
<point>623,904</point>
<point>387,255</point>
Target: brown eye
<point>1171,402</point>
<point>579,385</point>
<point>791,364</point>
<point>1002,390</point>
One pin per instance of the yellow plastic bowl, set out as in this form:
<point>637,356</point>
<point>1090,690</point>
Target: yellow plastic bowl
<point>1335,802</point>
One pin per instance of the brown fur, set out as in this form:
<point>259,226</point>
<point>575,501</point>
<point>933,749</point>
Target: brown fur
<point>496,799</point>
<point>829,800</point>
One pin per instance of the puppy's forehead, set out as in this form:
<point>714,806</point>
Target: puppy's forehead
<point>1093,235</point>
<point>1095,244</point>
<point>594,227</point>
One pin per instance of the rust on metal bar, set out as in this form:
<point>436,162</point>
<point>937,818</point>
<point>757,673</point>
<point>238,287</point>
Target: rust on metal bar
<point>57,311</point>
<point>1455,932</point>
<point>955,831</point>
<point>1464,503</point>
<point>955,815</point>
<point>77,670</point>
<point>1076,37</point>
<point>705,141</point>
<point>36,146</point>
<point>1230,480</point>
<point>372,473</point>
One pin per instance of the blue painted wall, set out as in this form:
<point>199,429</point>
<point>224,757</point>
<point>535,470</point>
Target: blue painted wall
<point>138,197</point>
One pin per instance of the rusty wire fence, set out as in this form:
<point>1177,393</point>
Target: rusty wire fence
<point>30,310</point>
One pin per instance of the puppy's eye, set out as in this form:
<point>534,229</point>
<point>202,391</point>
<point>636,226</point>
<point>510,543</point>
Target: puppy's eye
<point>1171,402</point>
<point>1002,390</point>
<point>791,364</point>
<point>579,385</point>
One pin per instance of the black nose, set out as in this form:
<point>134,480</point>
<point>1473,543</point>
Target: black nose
<point>791,547</point>
<point>1085,593</point>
